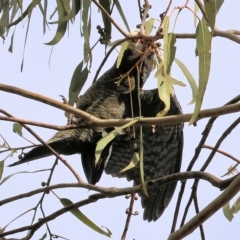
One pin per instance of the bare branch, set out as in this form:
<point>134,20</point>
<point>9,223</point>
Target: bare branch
<point>110,192</point>
<point>229,34</point>
<point>51,149</point>
<point>197,211</point>
<point>96,122</point>
<point>208,161</point>
<point>223,153</point>
<point>113,192</point>
<point>194,159</point>
<point>129,215</point>
<point>208,211</point>
<point>38,124</point>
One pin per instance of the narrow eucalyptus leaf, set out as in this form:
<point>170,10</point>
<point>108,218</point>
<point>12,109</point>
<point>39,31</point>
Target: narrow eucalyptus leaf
<point>17,128</point>
<point>62,26</point>
<point>78,214</point>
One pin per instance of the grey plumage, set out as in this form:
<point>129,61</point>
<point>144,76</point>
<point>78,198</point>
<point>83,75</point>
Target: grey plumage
<point>162,149</point>
<point>105,99</point>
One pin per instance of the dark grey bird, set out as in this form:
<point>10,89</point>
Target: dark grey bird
<point>106,99</point>
<point>162,153</point>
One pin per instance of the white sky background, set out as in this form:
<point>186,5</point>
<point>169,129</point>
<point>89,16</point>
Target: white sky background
<point>53,81</point>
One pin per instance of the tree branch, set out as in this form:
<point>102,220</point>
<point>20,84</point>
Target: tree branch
<point>110,192</point>
<point>92,121</point>
<point>38,124</point>
<point>129,213</point>
<point>229,34</point>
<point>51,149</point>
<point>194,159</point>
<point>208,211</point>
<point>205,165</point>
<point>222,152</point>
<point>113,192</point>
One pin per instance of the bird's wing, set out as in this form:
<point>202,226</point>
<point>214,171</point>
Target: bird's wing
<point>162,148</point>
<point>104,99</point>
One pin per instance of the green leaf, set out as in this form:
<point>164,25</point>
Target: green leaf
<point>77,213</point>
<point>86,28</point>
<point>19,2</point>
<point>165,45</point>
<point>107,23</point>
<point>119,8</point>
<point>9,176</point>
<point>1,169</point>
<point>164,92</point>
<point>17,128</point>
<point>103,142</point>
<point>62,26</point>
<point>77,82</point>
<point>76,6</point>
<point>70,13</point>
<point>190,79</point>
<point>236,206</point>
<point>141,165</point>
<point>43,10</point>
<point>163,89</point>
<point>4,20</point>
<point>27,12</point>
<point>196,9</point>
<point>227,212</point>
<point>10,49</point>
<point>219,4</point>
<point>25,40</point>
<point>149,26</point>
<point>171,51</point>
<point>44,236</point>
<point>67,7</point>
<point>133,163</point>
<point>124,46</point>
<point>203,38</point>
<point>211,11</point>
<point>167,78</point>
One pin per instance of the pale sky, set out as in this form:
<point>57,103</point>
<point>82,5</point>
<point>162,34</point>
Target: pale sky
<point>53,81</point>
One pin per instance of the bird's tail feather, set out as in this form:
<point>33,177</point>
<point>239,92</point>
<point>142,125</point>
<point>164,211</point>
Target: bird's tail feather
<point>65,146</point>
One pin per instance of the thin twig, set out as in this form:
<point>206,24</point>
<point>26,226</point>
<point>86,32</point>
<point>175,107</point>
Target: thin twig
<point>51,149</point>
<point>197,211</point>
<point>205,165</point>
<point>144,16</point>
<point>208,211</point>
<point>113,192</point>
<point>129,212</point>
<point>194,159</point>
<point>139,8</point>
<point>223,153</point>
<point>41,200</point>
<point>38,124</point>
